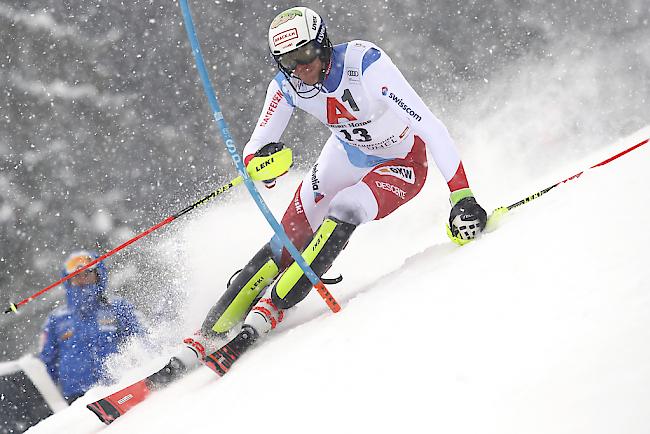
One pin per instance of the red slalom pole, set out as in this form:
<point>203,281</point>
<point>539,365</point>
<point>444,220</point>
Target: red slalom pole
<point>13,307</point>
<point>260,168</point>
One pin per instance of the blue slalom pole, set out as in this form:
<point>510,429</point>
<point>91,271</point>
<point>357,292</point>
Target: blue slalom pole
<point>241,169</point>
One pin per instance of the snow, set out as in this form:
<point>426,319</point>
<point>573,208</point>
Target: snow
<point>60,89</point>
<point>541,326</point>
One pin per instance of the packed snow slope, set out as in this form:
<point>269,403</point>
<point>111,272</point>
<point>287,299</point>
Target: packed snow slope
<point>541,326</point>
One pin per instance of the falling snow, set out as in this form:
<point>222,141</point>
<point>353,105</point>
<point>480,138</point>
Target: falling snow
<point>105,131</point>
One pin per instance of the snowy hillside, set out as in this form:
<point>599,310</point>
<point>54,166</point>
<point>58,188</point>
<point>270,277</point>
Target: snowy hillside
<point>542,326</point>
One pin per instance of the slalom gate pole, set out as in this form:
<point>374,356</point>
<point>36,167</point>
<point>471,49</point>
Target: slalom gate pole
<point>261,174</point>
<point>501,211</point>
<point>232,150</point>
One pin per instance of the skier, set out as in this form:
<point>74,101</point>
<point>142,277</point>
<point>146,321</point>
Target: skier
<point>79,336</point>
<point>374,162</point>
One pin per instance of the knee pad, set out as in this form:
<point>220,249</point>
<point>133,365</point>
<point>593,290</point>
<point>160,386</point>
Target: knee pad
<point>344,212</point>
<point>242,293</point>
<point>355,205</point>
<point>326,244</point>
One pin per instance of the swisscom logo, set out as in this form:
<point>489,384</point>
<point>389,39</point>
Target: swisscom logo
<point>401,104</point>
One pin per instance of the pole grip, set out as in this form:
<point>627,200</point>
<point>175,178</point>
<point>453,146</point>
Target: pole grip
<point>12,308</point>
<point>498,213</point>
<point>570,178</point>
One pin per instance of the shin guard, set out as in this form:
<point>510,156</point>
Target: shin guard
<point>240,296</point>
<point>326,244</point>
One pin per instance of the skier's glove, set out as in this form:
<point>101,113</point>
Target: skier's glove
<point>266,151</point>
<point>467,218</point>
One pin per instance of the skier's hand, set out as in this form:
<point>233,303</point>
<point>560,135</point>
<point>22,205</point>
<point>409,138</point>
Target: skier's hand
<point>267,150</point>
<point>467,219</point>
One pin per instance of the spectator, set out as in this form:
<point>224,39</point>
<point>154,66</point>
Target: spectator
<point>78,337</point>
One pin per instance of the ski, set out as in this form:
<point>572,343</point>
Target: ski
<point>116,404</point>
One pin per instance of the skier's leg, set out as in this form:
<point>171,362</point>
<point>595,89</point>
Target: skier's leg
<point>359,203</point>
<point>331,173</point>
<point>303,215</point>
<point>380,192</point>
<point>231,308</point>
<point>330,238</point>
<point>241,294</point>
<point>326,244</point>
<point>351,207</point>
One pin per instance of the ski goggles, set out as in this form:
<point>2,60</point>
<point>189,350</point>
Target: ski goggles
<point>300,56</point>
<point>76,262</point>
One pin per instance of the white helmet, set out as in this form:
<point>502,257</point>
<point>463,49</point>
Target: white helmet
<point>297,36</point>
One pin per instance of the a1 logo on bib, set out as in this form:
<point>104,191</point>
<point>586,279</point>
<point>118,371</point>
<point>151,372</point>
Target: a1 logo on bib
<point>336,111</point>
<point>406,174</point>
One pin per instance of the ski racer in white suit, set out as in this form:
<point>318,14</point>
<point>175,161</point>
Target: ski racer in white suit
<point>374,161</point>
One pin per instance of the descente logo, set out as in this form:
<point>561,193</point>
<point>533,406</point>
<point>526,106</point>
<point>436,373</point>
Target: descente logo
<point>401,104</point>
<point>392,188</point>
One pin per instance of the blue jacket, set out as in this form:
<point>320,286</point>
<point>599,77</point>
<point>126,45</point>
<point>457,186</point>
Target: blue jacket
<point>78,337</point>
<point>74,347</point>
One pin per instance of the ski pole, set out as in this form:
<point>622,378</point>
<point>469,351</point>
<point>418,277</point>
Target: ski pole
<point>498,213</point>
<point>261,168</point>
<point>576,176</point>
<point>232,150</point>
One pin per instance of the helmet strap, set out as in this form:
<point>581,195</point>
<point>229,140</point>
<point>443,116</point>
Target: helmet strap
<point>327,60</point>
<point>317,88</point>
<point>305,94</point>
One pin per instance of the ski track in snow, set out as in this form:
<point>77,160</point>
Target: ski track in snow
<point>542,326</point>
